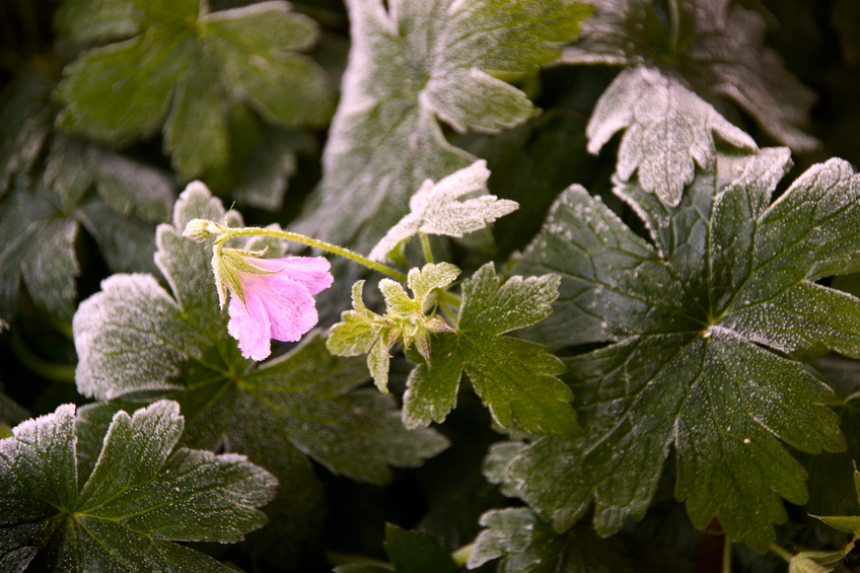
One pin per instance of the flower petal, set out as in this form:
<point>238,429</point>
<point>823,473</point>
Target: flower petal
<point>291,308</point>
<point>312,272</point>
<point>250,325</point>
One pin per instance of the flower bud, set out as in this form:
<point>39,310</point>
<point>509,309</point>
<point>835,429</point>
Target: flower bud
<point>201,229</point>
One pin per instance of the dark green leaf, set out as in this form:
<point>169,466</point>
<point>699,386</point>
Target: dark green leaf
<point>192,67</point>
<point>142,494</point>
<point>410,66</point>
<point>416,552</point>
<point>716,46</point>
<point>116,199</point>
<point>705,334</point>
<point>25,123</point>
<point>135,336</point>
<point>515,378</point>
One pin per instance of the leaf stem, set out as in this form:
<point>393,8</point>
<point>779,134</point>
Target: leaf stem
<point>462,555</point>
<point>428,251</point>
<point>675,16</point>
<point>727,554</point>
<point>784,553</point>
<point>47,370</point>
<point>229,233</point>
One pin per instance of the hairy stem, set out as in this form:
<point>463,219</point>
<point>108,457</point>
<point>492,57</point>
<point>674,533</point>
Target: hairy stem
<point>428,251</point>
<point>297,238</point>
<point>47,370</point>
<point>727,554</point>
<point>784,553</point>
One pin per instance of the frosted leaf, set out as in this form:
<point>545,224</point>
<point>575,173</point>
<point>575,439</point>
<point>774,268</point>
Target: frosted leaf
<point>25,123</point>
<point>135,335</point>
<point>517,380</point>
<point>188,72</point>
<point>526,544</point>
<point>143,493</point>
<point>707,336</point>
<point>436,209</point>
<point>116,199</point>
<point>717,48</point>
<point>668,130</point>
<point>410,66</point>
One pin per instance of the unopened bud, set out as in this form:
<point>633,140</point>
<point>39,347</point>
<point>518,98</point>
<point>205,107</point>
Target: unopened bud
<point>201,229</point>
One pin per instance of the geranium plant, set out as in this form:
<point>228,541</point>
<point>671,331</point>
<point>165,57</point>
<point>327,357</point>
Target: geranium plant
<point>429,286</point>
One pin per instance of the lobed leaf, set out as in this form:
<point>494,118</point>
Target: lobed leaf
<point>411,65</point>
<point>706,333</point>
<point>435,209</point>
<point>194,68</point>
<point>669,130</point>
<point>143,493</point>
<point>716,47</point>
<point>516,379</point>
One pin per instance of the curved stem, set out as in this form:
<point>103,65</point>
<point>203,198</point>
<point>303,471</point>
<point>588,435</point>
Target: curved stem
<point>675,16</point>
<point>47,370</point>
<point>297,238</point>
<point>727,554</point>
<point>428,252</point>
<point>784,553</point>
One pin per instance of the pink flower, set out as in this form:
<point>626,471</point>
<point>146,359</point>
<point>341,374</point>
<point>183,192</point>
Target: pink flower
<point>278,305</point>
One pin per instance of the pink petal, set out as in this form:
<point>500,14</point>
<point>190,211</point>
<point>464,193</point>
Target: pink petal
<point>312,272</point>
<point>249,324</point>
<point>291,308</point>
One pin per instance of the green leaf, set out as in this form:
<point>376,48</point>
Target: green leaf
<point>410,66</point>
<point>435,209</point>
<point>416,552</point>
<point>515,378</point>
<point>706,331</point>
<point>116,199</point>
<point>136,336</point>
<point>526,544</point>
<point>143,493</point>
<point>25,123</point>
<point>192,67</point>
<point>669,130</point>
<point>717,47</point>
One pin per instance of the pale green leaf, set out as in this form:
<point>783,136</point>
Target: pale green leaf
<point>514,378</point>
<point>705,335</point>
<point>436,210</point>
<point>411,65</point>
<point>717,47</point>
<point>143,493</point>
<point>668,130</point>
<point>192,68</point>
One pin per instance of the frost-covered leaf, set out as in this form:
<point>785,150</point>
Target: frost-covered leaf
<point>136,336</point>
<point>516,379</point>
<point>192,67</point>
<point>526,544</point>
<point>410,66</point>
<point>706,331</point>
<point>25,123</point>
<point>435,209</point>
<point>142,494</point>
<point>116,199</point>
<point>718,48</point>
<point>668,130</point>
